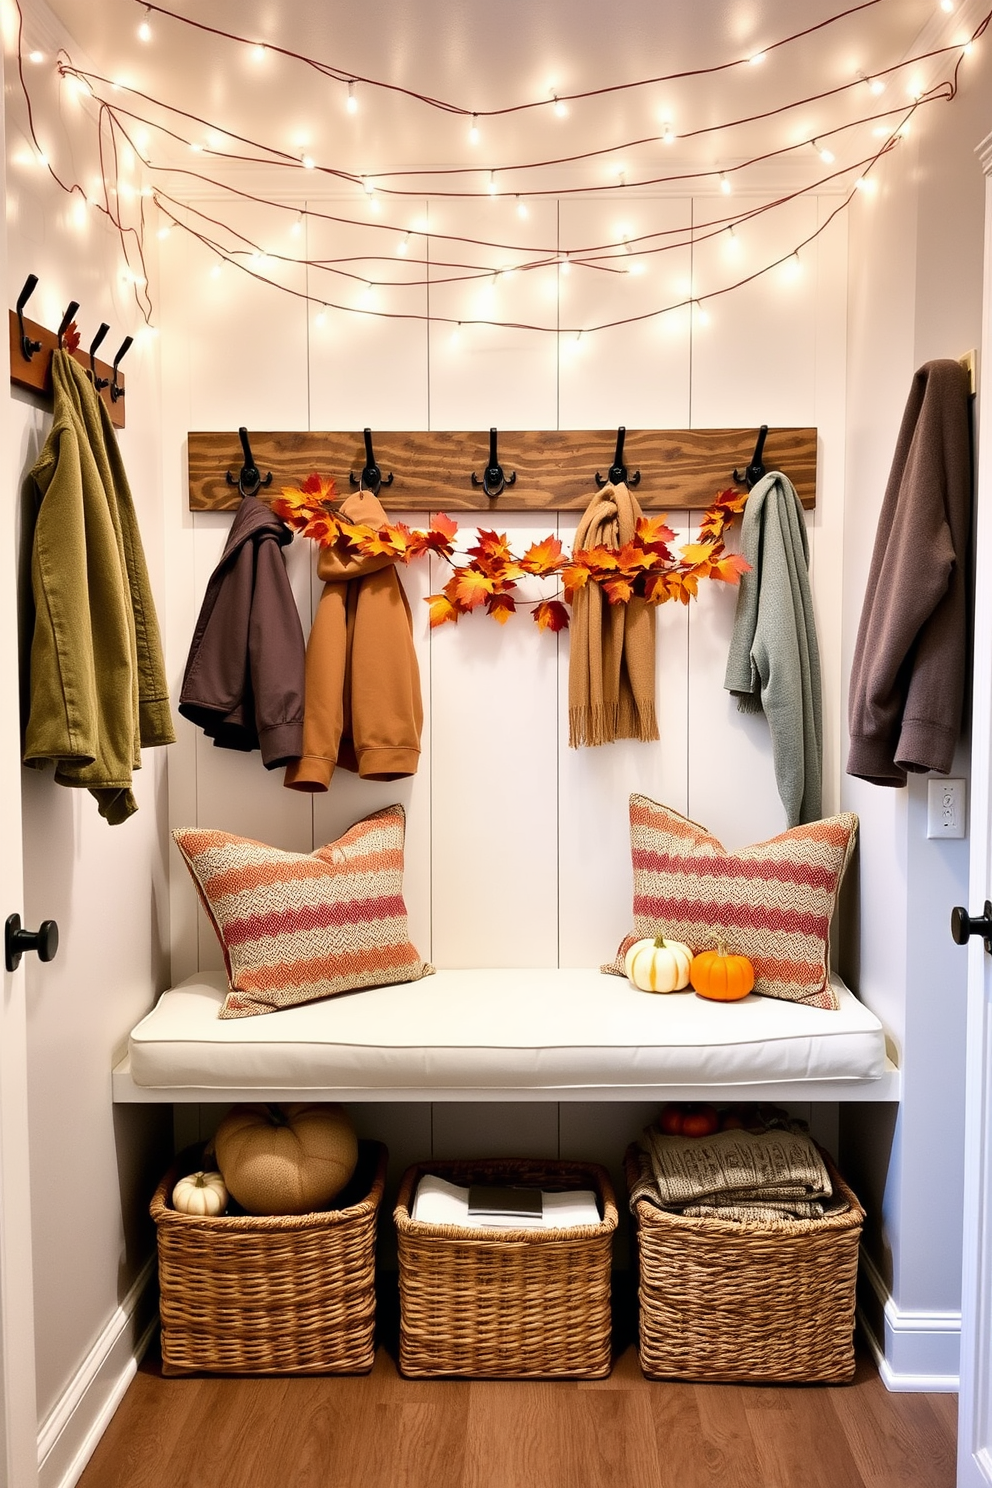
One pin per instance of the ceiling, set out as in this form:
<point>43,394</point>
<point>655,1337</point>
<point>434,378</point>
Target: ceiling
<point>479,55</point>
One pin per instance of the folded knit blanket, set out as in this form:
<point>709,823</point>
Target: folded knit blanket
<point>740,1175</point>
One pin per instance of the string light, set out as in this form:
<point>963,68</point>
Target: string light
<point>351,103</point>
<point>827,156</point>
<point>164,231</point>
<point>144,32</point>
<point>321,317</point>
<point>598,258</point>
<point>724,184</point>
<point>668,134</point>
<point>36,57</point>
<point>561,108</point>
<point>258,52</point>
<point>565,266</point>
<point>403,245</point>
<point>296,227</point>
<point>758,57</point>
<point>473,133</point>
<point>947,6</point>
<point>307,162</point>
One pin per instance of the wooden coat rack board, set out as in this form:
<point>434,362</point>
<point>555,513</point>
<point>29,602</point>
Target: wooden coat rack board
<point>681,469</point>
<point>37,373</point>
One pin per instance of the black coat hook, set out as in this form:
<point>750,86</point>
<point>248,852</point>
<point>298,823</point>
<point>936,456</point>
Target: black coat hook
<point>249,480</point>
<point>617,473</point>
<point>28,347</point>
<point>493,480</point>
<point>66,320</point>
<point>752,475</point>
<point>116,391</point>
<point>98,382</point>
<point>371,478</point>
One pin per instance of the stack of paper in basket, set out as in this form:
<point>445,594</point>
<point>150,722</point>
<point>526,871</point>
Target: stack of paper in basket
<point>745,1176</point>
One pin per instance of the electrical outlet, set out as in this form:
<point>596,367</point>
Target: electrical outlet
<point>945,807</point>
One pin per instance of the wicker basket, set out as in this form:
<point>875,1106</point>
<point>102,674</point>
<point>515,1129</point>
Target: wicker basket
<point>286,1294</point>
<point>507,1303</point>
<point>727,1301</point>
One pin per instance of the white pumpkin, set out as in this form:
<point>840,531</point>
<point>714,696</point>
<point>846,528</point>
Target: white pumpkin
<point>658,965</point>
<point>200,1193</point>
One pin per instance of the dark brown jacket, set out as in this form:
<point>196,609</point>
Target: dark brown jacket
<point>244,675</point>
<point>908,674</point>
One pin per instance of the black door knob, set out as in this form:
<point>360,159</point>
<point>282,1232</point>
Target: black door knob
<point>963,926</point>
<point>44,940</point>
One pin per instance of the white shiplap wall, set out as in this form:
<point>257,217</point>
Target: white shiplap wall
<point>517,849</point>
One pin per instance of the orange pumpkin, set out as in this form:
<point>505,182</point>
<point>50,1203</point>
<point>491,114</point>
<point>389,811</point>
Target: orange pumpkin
<point>721,976</point>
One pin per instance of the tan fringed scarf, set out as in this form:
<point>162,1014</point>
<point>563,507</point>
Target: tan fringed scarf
<point>611,670</point>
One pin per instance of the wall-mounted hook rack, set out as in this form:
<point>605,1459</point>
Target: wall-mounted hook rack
<point>32,344</point>
<point>116,386</point>
<point>493,481</point>
<point>617,474</point>
<point>371,478</point>
<point>248,481</point>
<point>681,469</point>
<point>756,470</point>
<point>28,346</point>
<point>98,382</point>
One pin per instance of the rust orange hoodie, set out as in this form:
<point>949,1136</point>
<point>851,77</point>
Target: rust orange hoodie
<point>362,709</point>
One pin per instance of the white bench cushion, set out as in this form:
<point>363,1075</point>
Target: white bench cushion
<point>504,1030</point>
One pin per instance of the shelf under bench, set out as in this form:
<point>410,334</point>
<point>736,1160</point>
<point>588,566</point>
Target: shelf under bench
<point>545,1034</point>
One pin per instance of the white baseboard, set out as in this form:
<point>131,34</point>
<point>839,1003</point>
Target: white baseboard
<point>67,1439</point>
<point>914,1351</point>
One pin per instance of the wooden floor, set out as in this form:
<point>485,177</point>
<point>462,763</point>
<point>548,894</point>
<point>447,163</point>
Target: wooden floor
<point>381,1431</point>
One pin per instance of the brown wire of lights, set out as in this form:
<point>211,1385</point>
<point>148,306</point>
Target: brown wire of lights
<point>343,75</point>
<point>109,124</point>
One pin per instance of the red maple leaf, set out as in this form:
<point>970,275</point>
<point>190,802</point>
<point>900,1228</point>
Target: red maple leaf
<point>551,615</point>
<point>501,607</point>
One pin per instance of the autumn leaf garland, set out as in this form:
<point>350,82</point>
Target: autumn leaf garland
<point>487,573</point>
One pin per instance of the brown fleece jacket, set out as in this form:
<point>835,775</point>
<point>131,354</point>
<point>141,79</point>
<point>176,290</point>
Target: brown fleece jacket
<point>362,709</point>
<point>908,674</point>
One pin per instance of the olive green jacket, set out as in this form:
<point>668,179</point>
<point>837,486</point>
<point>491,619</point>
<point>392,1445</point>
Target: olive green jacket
<point>97,680</point>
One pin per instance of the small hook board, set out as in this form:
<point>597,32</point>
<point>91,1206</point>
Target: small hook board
<point>680,469</point>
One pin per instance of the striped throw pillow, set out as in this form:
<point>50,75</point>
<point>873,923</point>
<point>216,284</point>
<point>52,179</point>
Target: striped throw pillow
<point>298,926</point>
<point>771,902</point>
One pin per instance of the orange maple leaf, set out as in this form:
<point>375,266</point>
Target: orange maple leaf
<point>388,541</point>
<point>437,538</point>
<point>654,531</point>
<point>618,590</point>
<point>316,486</point>
<point>657,589</point>
<point>596,559</point>
<point>441,522</point>
<point>491,546</point>
<point>551,614</point>
<point>698,552</point>
<point>730,568</point>
<point>441,610</point>
<point>472,588</point>
<point>544,557</point>
<point>632,557</point>
<point>324,528</point>
<point>70,337</point>
<point>574,577</point>
<point>501,607</point>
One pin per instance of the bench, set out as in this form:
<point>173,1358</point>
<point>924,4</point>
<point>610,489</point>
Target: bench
<point>487,1034</point>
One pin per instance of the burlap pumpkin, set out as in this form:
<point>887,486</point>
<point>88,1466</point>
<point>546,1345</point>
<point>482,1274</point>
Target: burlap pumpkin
<point>289,1159</point>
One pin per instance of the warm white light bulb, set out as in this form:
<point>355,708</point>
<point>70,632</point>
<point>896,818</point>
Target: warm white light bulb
<point>968,48</point>
<point>195,147</point>
<point>826,155</point>
<point>144,32</point>
<point>668,134</point>
<point>352,103</point>
<point>877,86</point>
<point>307,162</point>
<point>473,133</point>
<point>702,315</point>
<point>403,245</point>
<point>164,232</point>
<point>492,183</point>
<point>456,334</point>
<point>865,184</point>
<point>947,5</point>
<point>258,52</point>
<point>561,109</point>
<point>36,57</point>
<point>521,208</point>
<point>758,57</point>
<point>565,266</point>
<point>369,186</point>
<point>321,317</point>
<point>725,185</point>
<point>215,271</point>
<point>296,227</point>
